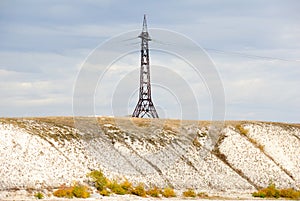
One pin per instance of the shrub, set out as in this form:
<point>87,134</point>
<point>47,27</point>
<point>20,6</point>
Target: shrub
<point>64,191</point>
<point>139,190</point>
<point>168,192</point>
<point>116,188</point>
<point>39,195</point>
<point>202,195</point>
<point>127,186</point>
<point>81,191</point>
<point>100,181</point>
<point>154,192</point>
<point>272,192</point>
<point>189,193</point>
<point>289,193</point>
<point>104,192</point>
<point>259,194</point>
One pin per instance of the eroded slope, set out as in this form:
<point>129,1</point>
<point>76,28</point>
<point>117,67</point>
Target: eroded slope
<point>46,152</point>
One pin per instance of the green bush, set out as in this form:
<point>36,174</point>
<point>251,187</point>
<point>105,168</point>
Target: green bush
<point>100,181</point>
<point>139,190</point>
<point>81,191</point>
<point>127,186</point>
<point>259,194</point>
<point>154,192</point>
<point>189,193</point>
<point>168,192</point>
<point>39,195</point>
<point>116,188</point>
<point>104,192</point>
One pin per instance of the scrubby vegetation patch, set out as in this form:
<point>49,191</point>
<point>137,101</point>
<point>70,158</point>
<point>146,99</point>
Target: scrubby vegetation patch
<point>168,192</point>
<point>272,192</point>
<point>39,195</point>
<point>77,190</point>
<point>139,190</point>
<point>189,193</point>
<point>154,192</point>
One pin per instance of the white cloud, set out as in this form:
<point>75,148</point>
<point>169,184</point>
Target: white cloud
<point>256,85</point>
<point>34,83</point>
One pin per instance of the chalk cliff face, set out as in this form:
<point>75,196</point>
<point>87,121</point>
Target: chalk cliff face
<point>237,157</point>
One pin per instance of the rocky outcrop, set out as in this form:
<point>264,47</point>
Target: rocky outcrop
<point>238,157</point>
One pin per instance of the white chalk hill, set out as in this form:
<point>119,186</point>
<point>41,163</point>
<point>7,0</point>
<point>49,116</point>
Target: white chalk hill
<point>241,156</point>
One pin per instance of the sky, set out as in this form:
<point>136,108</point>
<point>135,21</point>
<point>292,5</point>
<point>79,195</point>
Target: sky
<point>253,46</point>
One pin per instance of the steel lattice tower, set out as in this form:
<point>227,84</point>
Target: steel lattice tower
<point>145,107</point>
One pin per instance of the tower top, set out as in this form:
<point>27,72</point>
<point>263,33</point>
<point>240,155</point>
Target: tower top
<point>145,34</point>
<point>145,24</point>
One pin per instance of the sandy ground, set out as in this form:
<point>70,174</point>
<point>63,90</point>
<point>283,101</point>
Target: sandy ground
<point>23,196</point>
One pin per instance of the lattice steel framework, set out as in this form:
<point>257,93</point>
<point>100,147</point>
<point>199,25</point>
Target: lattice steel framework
<point>145,107</point>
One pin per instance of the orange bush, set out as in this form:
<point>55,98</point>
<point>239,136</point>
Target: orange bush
<point>168,192</point>
<point>79,191</point>
<point>154,192</point>
<point>189,193</point>
<point>139,190</point>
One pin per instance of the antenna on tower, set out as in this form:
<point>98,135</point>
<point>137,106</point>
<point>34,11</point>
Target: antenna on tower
<point>145,24</point>
<point>145,106</point>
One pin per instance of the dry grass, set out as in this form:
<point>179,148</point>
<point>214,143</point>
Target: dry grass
<point>69,121</point>
<point>259,146</point>
<point>141,122</point>
<point>196,142</point>
<point>245,132</point>
<point>59,121</point>
<point>242,130</point>
<point>131,126</point>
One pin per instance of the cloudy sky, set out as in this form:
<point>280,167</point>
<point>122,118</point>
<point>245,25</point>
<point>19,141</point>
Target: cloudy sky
<point>254,46</point>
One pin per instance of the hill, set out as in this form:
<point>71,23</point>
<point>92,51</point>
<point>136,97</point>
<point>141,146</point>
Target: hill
<point>237,156</point>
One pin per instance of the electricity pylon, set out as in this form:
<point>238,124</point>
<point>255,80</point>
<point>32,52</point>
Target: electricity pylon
<point>145,107</point>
